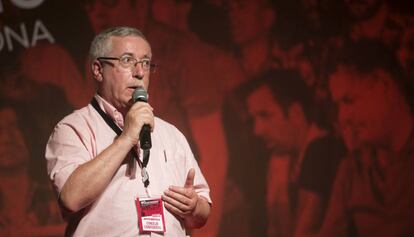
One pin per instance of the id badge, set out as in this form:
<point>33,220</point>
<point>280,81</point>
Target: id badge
<point>150,215</point>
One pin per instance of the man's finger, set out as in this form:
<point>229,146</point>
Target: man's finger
<point>189,182</point>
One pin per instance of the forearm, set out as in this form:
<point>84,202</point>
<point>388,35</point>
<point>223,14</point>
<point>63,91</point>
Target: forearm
<point>309,215</point>
<point>90,179</point>
<point>200,214</point>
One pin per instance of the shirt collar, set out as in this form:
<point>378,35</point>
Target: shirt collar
<point>111,111</point>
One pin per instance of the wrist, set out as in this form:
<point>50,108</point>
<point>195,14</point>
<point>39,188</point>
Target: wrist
<point>199,215</point>
<point>125,141</point>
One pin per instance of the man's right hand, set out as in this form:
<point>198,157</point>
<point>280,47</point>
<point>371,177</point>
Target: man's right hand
<point>139,114</point>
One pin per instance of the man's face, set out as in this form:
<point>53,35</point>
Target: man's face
<point>116,83</point>
<point>247,20</point>
<point>103,14</point>
<point>363,105</point>
<point>363,9</point>
<point>13,150</point>
<point>270,121</point>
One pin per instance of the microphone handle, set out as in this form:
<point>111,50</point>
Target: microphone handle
<point>145,137</point>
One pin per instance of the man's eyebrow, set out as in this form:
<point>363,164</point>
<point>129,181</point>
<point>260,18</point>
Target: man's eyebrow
<point>127,54</point>
<point>132,55</point>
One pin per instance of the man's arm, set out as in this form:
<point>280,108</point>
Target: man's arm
<point>309,216</point>
<point>90,179</point>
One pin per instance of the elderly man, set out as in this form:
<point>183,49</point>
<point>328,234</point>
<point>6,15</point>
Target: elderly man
<point>93,154</point>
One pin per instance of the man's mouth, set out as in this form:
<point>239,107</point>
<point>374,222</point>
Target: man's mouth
<point>133,88</point>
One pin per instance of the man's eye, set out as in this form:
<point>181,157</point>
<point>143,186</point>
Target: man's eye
<point>127,59</point>
<point>146,63</point>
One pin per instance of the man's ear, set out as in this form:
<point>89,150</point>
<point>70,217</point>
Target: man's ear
<point>97,70</point>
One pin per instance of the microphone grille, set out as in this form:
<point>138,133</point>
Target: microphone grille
<point>140,95</point>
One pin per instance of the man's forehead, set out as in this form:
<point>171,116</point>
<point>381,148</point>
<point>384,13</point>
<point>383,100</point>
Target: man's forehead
<point>348,80</point>
<point>122,43</point>
<point>342,81</point>
<point>120,39</point>
<point>262,98</point>
<point>355,75</point>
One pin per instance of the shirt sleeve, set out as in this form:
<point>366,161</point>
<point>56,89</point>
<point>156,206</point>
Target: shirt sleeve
<point>200,183</point>
<point>67,148</point>
<point>320,164</point>
<point>337,221</point>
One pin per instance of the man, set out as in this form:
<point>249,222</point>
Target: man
<point>32,102</point>
<point>194,103</point>
<point>94,170</point>
<point>373,191</point>
<point>250,27</point>
<point>281,107</point>
<point>26,206</point>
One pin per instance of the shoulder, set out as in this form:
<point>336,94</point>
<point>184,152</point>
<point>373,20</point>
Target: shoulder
<point>326,148</point>
<point>165,128</point>
<point>80,121</point>
<point>168,135</point>
<point>79,116</point>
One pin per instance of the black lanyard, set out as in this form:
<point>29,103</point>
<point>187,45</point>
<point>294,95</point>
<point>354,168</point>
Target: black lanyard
<point>118,131</point>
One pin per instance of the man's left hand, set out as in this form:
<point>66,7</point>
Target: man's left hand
<point>182,201</point>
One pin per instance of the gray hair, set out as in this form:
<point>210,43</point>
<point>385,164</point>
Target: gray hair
<point>101,44</point>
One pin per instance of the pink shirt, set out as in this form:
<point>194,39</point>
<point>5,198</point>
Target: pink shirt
<point>82,135</point>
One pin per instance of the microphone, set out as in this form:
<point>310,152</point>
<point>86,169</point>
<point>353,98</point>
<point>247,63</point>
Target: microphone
<point>145,135</point>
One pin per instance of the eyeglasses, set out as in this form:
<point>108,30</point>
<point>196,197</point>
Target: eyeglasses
<point>127,61</point>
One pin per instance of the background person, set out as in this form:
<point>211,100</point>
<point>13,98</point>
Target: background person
<point>372,194</point>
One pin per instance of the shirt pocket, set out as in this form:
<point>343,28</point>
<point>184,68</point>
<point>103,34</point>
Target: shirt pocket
<point>175,168</point>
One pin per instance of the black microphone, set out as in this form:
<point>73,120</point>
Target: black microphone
<point>145,135</point>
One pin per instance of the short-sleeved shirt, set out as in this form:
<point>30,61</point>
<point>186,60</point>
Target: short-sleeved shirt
<point>371,201</point>
<point>320,165</point>
<point>82,135</point>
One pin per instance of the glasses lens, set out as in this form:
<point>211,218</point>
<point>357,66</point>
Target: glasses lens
<point>127,61</point>
<point>145,63</point>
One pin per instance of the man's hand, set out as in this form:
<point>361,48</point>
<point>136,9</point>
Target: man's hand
<point>182,201</point>
<point>185,203</point>
<point>139,114</point>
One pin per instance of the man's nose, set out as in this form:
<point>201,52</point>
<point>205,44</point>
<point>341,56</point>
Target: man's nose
<point>138,71</point>
<point>258,128</point>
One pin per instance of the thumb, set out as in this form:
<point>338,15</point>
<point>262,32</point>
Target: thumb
<point>189,182</point>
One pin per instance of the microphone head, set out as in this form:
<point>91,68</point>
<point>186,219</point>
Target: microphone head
<point>140,95</point>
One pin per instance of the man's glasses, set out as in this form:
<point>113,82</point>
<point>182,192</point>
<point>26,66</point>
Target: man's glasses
<point>127,61</point>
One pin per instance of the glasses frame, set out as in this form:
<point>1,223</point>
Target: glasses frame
<point>152,66</point>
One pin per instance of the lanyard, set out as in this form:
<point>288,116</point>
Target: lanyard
<point>118,131</point>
